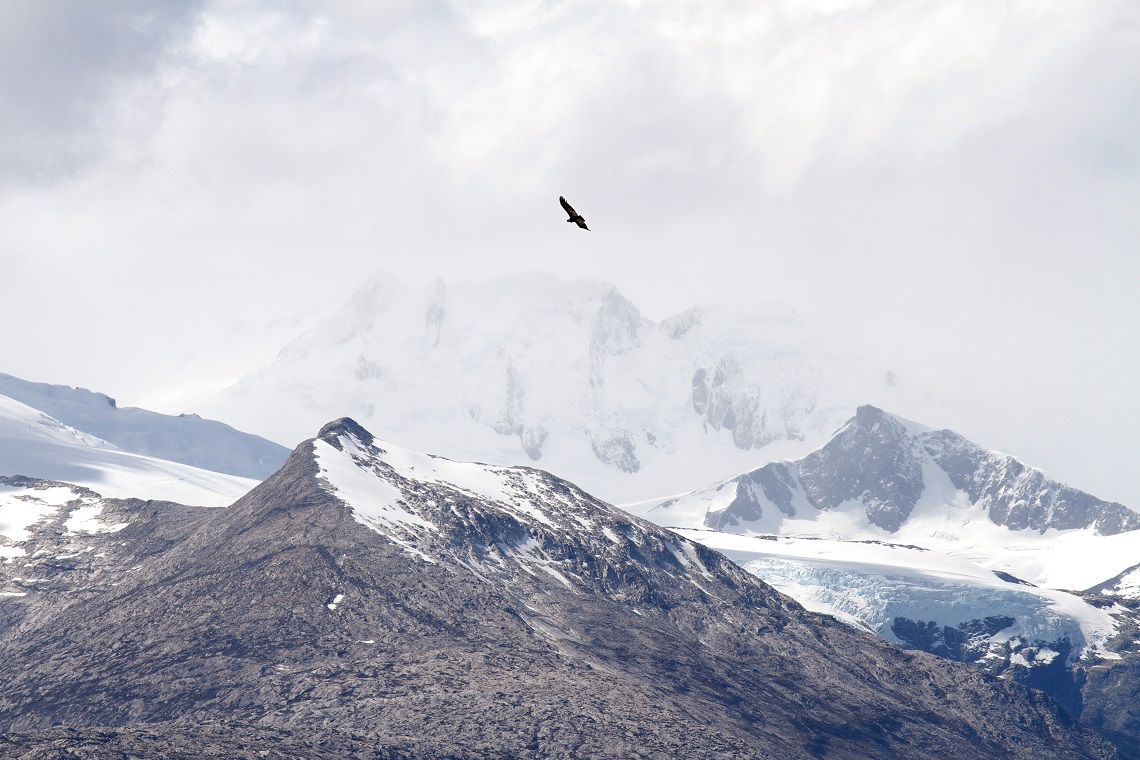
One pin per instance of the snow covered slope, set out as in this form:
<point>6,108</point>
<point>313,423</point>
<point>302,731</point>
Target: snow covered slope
<point>940,604</point>
<point>541,527</point>
<point>532,369</point>
<point>185,438</point>
<point>36,445</point>
<point>883,478</point>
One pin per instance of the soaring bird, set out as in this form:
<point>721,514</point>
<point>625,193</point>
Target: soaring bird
<point>575,217</point>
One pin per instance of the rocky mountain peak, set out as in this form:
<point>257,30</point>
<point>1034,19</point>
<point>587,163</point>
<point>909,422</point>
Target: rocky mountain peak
<point>873,427</point>
<point>506,525</point>
<point>870,460</point>
<point>867,417</point>
<point>886,464</point>
<point>345,426</point>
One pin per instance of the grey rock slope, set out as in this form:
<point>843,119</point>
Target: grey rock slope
<point>878,459</point>
<point>185,438</point>
<point>370,597</point>
<point>193,741</point>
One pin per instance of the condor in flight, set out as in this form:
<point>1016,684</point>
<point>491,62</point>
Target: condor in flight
<point>575,217</point>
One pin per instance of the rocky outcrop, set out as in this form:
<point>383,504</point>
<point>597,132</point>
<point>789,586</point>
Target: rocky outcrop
<point>1045,665</point>
<point>758,407</point>
<point>872,461</point>
<point>1110,688</point>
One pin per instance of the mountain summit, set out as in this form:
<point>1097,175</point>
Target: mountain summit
<point>433,608</point>
<point>884,466</point>
<point>567,375</point>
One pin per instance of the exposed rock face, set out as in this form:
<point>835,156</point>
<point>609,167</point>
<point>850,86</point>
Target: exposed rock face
<point>1044,665</point>
<point>964,642</point>
<point>871,461</point>
<point>878,460</point>
<point>79,546</point>
<point>1110,688</point>
<point>432,608</point>
<point>1022,497</point>
<point>508,416</point>
<point>758,407</point>
<point>196,740</point>
<point>772,485</point>
<point>1124,584</point>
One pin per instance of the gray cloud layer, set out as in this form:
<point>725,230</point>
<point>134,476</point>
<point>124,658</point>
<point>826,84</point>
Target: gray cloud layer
<point>62,66</point>
<point>951,186</point>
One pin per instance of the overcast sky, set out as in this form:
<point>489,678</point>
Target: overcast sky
<point>951,187</point>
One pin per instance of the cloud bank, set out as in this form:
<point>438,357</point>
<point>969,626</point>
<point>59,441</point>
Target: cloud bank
<point>951,186</point>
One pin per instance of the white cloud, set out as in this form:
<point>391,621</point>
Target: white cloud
<point>952,184</point>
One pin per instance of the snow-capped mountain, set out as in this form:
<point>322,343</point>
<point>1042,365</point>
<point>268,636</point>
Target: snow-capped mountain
<point>569,375</point>
<point>186,438</point>
<point>883,478</point>
<point>429,608</point>
<point>928,496</point>
<point>886,465</point>
<point>35,445</point>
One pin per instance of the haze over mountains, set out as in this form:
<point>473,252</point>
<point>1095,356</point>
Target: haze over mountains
<point>901,526</point>
<point>568,376</point>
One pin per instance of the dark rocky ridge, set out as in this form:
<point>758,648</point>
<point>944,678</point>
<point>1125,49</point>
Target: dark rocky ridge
<point>876,460</point>
<point>1113,586</point>
<point>285,613</point>
<point>1043,665</point>
<point>1110,688</point>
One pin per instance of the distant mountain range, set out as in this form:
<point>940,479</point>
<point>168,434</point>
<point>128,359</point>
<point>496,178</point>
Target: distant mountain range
<point>35,444</point>
<point>186,438</point>
<point>367,599</point>
<point>566,375</point>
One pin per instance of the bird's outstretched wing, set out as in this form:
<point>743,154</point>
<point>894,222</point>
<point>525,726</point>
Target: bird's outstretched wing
<point>569,209</point>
